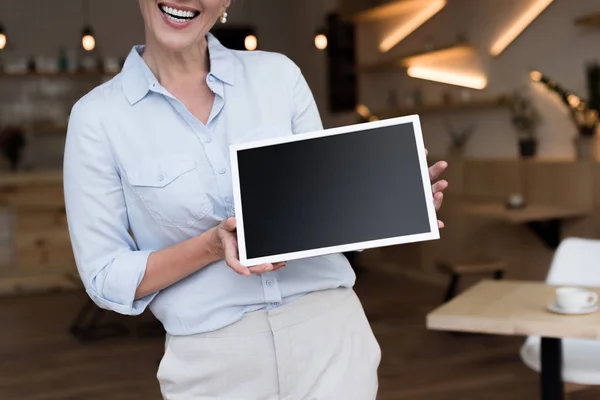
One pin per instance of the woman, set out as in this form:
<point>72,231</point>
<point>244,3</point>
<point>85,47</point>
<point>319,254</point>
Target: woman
<point>147,157</point>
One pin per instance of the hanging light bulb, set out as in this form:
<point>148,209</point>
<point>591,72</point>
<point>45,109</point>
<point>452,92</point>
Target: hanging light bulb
<point>321,41</point>
<point>88,41</point>
<point>536,76</point>
<point>2,38</point>
<point>573,100</point>
<point>251,42</point>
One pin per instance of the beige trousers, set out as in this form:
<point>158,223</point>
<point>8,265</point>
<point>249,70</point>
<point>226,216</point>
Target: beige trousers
<point>316,348</point>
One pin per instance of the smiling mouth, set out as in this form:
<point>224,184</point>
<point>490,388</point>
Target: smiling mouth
<point>177,15</point>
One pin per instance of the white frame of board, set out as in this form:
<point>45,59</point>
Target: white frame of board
<point>434,230</point>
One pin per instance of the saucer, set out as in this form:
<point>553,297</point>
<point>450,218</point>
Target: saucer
<point>579,311</point>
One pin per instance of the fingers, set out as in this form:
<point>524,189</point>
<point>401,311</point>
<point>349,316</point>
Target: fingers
<point>264,268</point>
<point>279,266</point>
<point>438,198</point>
<point>228,224</point>
<point>437,169</point>
<point>261,269</point>
<point>231,257</point>
<point>439,186</point>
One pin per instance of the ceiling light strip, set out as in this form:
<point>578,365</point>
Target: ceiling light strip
<point>472,81</point>
<point>518,26</point>
<point>389,10</point>
<point>411,25</point>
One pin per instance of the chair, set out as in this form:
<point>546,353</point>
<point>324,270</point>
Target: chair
<point>574,263</point>
<point>495,268</point>
<point>93,330</point>
<point>86,325</point>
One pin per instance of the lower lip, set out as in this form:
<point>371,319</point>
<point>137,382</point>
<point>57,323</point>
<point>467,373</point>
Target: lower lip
<point>174,24</point>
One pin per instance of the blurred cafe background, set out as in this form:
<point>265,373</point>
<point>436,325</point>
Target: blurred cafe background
<point>508,92</point>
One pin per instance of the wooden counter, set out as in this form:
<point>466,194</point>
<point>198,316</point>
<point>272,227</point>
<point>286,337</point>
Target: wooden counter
<point>35,247</point>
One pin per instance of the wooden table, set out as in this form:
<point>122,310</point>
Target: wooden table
<point>544,220</point>
<point>518,308</point>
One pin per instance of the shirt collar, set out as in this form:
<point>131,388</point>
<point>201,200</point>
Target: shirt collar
<point>222,60</point>
<point>138,79</point>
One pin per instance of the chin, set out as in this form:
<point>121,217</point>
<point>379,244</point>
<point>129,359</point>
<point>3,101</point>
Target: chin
<point>176,42</point>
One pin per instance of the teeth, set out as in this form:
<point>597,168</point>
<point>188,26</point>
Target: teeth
<point>174,13</point>
<point>177,19</point>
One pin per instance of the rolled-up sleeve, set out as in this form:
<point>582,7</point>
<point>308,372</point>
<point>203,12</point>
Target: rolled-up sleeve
<point>109,263</point>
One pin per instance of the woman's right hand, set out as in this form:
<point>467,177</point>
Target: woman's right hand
<point>224,245</point>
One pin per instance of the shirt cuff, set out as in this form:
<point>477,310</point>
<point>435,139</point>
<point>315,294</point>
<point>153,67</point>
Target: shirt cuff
<point>120,282</point>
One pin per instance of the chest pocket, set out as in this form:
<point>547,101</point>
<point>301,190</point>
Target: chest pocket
<point>171,189</point>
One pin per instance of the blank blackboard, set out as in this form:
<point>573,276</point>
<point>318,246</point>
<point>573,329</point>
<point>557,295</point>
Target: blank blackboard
<point>337,190</point>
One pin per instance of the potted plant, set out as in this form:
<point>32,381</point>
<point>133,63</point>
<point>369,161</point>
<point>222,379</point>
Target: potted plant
<point>586,120</point>
<point>525,118</point>
<point>593,85</point>
<point>12,143</point>
<point>584,114</point>
<point>458,139</point>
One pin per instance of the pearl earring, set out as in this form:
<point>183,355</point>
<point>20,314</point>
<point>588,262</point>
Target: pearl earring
<point>224,17</point>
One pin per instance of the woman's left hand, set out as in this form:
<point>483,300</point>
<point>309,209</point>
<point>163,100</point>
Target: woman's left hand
<point>438,186</point>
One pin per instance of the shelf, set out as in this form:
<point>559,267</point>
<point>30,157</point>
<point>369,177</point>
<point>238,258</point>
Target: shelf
<point>55,75</point>
<point>452,50</point>
<point>474,105</point>
<point>46,128</point>
<point>592,20</point>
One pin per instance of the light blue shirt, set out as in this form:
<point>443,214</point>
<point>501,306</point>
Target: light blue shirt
<point>136,160</point>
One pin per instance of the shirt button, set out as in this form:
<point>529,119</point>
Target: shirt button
<point>211,78</point>
<point>222,171</point>
<point>161,177</point>
<point>276,304</point>
<point>207,140</point>
<point>269,283</point>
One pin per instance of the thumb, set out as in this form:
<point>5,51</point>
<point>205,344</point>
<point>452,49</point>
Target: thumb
<point>229,224</point>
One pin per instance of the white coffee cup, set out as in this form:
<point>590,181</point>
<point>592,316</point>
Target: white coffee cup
<point>573,298</point>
